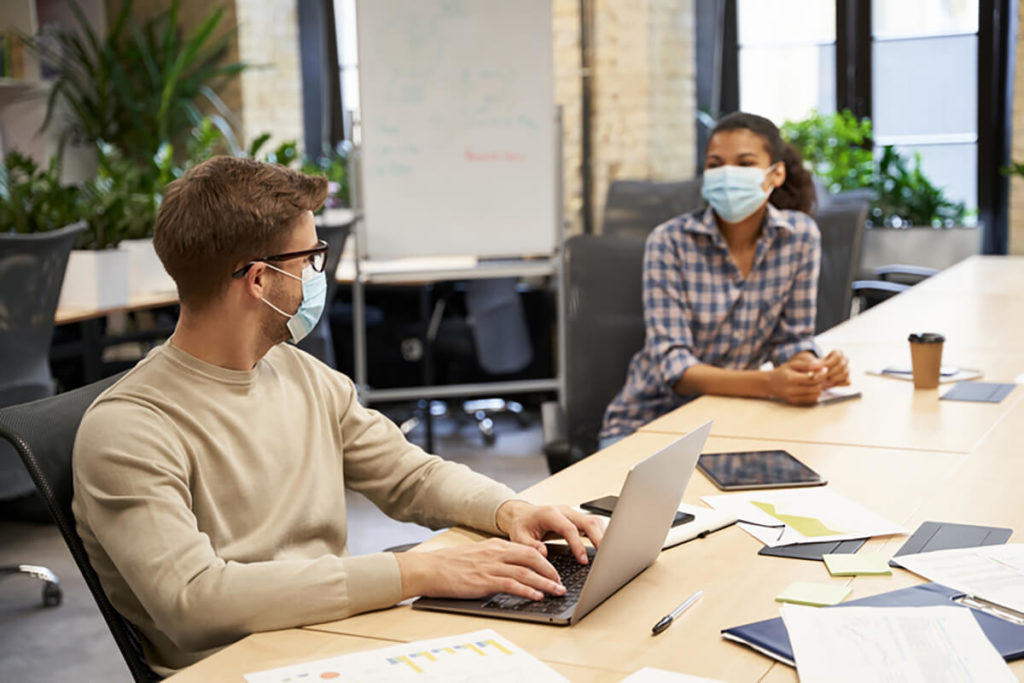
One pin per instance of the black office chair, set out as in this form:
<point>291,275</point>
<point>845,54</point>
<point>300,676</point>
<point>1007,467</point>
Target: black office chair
<point>604,327</point>
<point>842,236</point>
<point>888,282</point>
<point>319,341</point>
<point>31,274</point>
<point>492,338</point>
<point>43,434</point>
<point>635,207</point>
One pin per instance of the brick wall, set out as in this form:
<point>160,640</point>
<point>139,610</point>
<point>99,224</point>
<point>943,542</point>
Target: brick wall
<point>644,93</point>
<point>569,95</point>
<point>1017,148</point>
<point>268,39</point>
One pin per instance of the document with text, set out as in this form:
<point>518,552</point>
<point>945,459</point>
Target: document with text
<point>994,573</point>
<point>891,645</point>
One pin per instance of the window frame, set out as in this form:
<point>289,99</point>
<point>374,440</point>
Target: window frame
<point>997,30</point>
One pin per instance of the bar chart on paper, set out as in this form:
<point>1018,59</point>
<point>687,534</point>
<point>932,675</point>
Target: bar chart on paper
<point>466,657</point>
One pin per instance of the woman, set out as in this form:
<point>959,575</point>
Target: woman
<point>729,287</point>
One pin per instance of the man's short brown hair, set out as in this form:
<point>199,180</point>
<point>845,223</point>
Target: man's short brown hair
<point>222,214</point>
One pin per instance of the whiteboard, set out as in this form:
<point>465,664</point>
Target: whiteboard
<point>457,115</point>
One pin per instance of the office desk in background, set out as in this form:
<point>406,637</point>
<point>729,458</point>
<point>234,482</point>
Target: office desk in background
<point>89,346</point>
<point>425,272</point>
<point>935,460</point>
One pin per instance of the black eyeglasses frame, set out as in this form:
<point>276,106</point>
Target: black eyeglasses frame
<point>320,248</point>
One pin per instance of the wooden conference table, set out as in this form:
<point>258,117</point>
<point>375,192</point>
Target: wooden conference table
<point>900,452</point>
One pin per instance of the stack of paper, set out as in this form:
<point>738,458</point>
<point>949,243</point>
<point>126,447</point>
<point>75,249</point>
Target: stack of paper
<point>785,516</point>
<point>897,644</point>
<point>993,573</point>
<point>478,656</point>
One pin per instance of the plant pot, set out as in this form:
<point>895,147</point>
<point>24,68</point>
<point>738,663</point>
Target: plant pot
<point>97,279</point>
<point>918,246</point>
<point>147,272</point>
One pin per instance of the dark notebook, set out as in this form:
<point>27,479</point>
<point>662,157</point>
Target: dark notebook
<point>769,637</point>
<point>981,392</point>
<point>932,536</point>
<point>813,551</point>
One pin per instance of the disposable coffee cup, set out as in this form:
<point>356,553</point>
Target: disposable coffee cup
<point>926,358</point>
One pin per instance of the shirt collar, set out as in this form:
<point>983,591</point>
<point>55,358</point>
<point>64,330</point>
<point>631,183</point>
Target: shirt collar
<point>704,223</point>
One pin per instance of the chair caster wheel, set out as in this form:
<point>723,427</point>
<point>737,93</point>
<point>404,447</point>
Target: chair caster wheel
<point>52,595</point>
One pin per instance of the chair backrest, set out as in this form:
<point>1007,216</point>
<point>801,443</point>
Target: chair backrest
<point>501,336</point>
<point>842,235</point>
<point>635,207</point>
<point>31,274</point>
<point>604,327</point>
<point>319,341</point>
<point>43,434</point>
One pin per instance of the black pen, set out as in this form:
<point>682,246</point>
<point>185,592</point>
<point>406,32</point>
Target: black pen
<point>667,620</point>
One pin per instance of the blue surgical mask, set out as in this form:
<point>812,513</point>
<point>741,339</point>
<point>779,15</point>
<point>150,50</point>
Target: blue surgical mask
<point>314,296</point>
<point>735,192</point>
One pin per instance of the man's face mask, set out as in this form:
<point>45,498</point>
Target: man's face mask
<point>314,296</point>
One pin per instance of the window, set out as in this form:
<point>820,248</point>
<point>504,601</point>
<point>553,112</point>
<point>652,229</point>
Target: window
<point>348,58</point>
<point>787,59</point>
<point>925,88</point>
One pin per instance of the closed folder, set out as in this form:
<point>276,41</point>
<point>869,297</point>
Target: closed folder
<point>769,637</point>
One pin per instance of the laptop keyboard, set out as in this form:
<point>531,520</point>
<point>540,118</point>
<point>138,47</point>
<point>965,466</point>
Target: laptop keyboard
<point>573,575</point>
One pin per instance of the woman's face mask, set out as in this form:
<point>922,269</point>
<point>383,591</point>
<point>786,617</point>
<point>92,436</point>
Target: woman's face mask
<point>735,192</point>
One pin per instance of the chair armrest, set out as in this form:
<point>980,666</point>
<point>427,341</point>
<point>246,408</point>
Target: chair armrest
<point>872,292</point>
<point>904,274</point>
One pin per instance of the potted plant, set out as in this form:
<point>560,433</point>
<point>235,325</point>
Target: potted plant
<point>132,97</point>
<point>911,220</point>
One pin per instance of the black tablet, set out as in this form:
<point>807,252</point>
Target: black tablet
<point>757,470</point>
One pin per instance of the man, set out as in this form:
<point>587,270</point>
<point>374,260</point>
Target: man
<point>210,480</point>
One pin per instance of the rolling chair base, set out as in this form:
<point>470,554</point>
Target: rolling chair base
<point>480,410</point>
<point>52,593</point>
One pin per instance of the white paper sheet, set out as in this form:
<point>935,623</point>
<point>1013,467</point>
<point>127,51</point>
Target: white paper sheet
<point>892,645</point>
<point>813,514</point>
<point>651,675</point>
<point>994,573</point>
<point>470,657</point>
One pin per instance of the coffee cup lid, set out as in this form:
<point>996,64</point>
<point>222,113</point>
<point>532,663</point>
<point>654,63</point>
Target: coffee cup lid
<point>926,338</point>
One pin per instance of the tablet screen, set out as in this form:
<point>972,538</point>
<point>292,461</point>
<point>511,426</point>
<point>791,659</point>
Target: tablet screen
<point>757,470</point>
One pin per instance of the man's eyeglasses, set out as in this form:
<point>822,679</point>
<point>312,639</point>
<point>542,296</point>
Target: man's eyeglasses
<point>317,257</point>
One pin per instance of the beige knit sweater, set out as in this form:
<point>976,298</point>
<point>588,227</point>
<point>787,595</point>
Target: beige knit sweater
<point>212,501</point>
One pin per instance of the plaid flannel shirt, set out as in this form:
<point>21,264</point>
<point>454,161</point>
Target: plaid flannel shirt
<point>698,309</point>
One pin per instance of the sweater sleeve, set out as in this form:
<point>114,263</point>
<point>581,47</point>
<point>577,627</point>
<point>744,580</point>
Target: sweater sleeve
<point>133,506</point>
<point>407,483</point>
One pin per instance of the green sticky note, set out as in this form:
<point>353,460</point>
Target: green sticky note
<point>814,594</point>
<point>852,564</point>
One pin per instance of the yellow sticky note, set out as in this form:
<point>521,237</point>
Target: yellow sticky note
<point>814,594</point>
<point>851,564</point>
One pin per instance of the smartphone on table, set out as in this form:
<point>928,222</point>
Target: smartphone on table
<point>605,506</point>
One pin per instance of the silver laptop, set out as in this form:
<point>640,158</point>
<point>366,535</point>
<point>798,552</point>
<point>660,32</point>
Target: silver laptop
<point>645,509</point>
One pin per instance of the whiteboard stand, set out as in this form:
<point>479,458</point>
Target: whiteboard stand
<point>423,271</point>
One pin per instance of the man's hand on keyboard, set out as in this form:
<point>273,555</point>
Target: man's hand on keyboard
<point>478,569</point>
<point>528,524</point>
